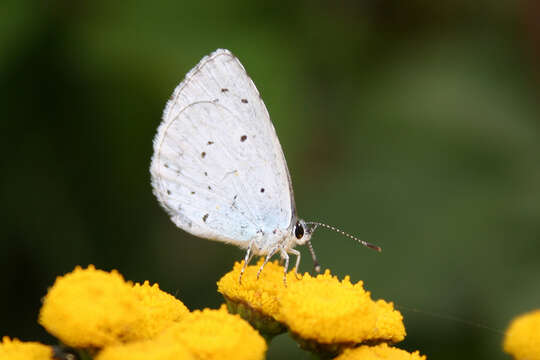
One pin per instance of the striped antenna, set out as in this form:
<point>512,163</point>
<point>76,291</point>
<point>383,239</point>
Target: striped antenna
<point>365,243</point>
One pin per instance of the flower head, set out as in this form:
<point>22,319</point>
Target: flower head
<point>261,294</point>
<point>91,308</point>
<point>216,334</point>
<point>256,300</point>
<point>522,339</point>
<point>13,349</point>
<point>327,313</point>
<point>379,352</point>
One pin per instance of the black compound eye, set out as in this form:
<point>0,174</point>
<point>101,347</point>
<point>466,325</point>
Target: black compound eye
<point>298,230</point>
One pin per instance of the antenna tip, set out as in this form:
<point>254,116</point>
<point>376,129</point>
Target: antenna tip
<point>317,268</point>
<point>375,247</point>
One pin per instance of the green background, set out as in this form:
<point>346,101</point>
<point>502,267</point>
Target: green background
<point>411,124</point>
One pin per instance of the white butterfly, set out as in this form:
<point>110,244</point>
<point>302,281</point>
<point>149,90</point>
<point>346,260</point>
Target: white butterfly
<point>218,168</point>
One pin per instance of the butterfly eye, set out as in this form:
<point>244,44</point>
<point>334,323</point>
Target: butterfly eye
<point>298,230</point>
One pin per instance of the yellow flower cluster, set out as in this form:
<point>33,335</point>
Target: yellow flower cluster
<point>113,319</point>
<point>18,350</point>
<point>522,339</point>
<point>100,312</point>
<point>324,314</point>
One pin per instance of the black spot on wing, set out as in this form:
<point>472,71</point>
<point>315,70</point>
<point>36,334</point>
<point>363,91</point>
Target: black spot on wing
<point>203,154</point>
<point>224,90</point>
<point>244,101</point>
<point>243,138</point>
<point>168,192</point>
<point>233,205</point>
<point>262,190</point>
<point>205,217</point>
<point>210,142</point>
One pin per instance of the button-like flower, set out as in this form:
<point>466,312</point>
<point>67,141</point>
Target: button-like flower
<point>522,339</point>
<point>256,300</point>
<point>379,352</point>
<point>328,315</point>
<point>13,349</point>
<point>216,334</point>
<point>91,308</point>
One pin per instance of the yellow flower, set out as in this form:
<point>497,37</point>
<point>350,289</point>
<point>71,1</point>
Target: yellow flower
<point>379,352</point>
<point>256,300</point>
<point>261,294</point>
<point>216,334</point>
<point>522,339</point>
<point>91,308</point>
<point>328,314</point>
<point>146,350</point>
<point>18,350</point>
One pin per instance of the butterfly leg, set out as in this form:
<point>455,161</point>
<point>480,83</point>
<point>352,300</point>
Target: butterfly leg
<point>247,259</point>
<point>285,256</point>
<point>268,256</point>
<point>297,253</point>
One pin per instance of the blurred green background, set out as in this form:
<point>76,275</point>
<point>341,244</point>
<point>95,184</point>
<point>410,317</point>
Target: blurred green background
<point>411,124</point>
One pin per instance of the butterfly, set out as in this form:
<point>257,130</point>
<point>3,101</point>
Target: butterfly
<point>218,168</point>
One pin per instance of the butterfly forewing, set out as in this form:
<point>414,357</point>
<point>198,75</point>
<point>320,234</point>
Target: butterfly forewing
<point>218,168</point>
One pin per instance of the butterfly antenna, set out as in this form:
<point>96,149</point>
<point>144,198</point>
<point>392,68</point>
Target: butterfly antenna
<point>365,243</point>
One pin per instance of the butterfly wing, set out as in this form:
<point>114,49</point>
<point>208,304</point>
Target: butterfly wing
<point>218,168</point>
